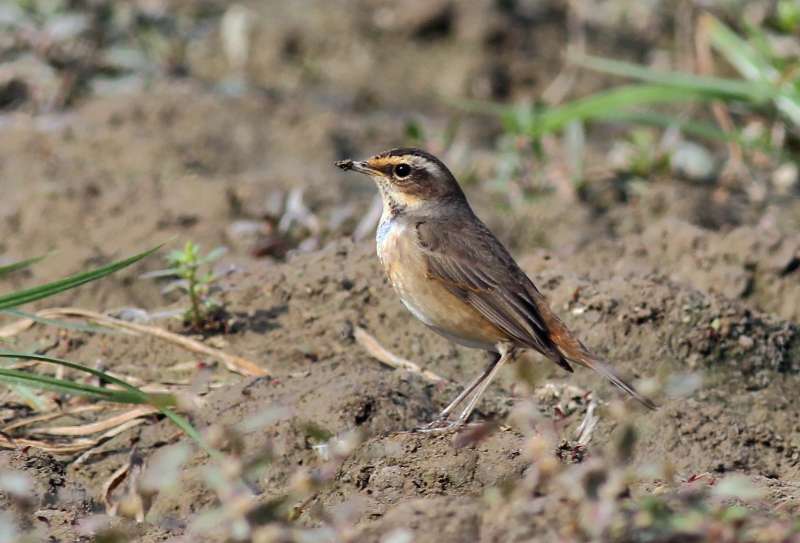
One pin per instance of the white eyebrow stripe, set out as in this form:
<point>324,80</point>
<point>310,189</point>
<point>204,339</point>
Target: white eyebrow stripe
<point>427,165</point>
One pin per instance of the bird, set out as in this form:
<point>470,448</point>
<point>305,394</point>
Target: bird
<point>454,275</point>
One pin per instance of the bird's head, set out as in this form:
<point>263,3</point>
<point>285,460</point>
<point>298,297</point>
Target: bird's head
<point>408,178</point>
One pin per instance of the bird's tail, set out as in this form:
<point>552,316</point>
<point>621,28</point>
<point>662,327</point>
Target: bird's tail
<point>572,350</point>
<point>608,372</point>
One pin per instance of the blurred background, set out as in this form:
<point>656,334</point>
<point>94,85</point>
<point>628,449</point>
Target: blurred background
<point>567,121</point>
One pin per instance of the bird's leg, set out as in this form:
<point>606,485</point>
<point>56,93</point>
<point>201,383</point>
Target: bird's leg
<point>505,354</point>
<point>437,423</point>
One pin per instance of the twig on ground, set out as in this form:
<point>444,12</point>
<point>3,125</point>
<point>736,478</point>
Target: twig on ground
<point>95,448</point>
<point>111,484</point>
<point>377,351</point>
<point>134,503</point>
<point>588,424</point>
<point>99,426</point>
<point>50,416</point>
<point>76,445</point>
<point>234,363</point>
<point>166,387</point>
<point>297,211</point>
<point>54,448</point>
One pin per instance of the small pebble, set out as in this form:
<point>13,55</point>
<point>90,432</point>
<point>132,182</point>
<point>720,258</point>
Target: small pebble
<point>692,161</point>
<point>784,178</point>
<point>746,342</point>
<point>217,342</point>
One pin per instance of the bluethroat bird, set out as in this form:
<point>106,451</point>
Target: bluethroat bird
<point>453,274</point>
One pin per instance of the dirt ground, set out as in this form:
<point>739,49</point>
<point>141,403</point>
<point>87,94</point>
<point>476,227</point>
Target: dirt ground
<point>662,280</point>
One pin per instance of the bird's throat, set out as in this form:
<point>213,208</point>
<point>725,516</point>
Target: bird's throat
<point>392,205</point>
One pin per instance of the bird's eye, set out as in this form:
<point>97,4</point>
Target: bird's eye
<point>401,171</point>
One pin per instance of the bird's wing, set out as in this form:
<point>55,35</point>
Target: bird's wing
<point>472,264</point>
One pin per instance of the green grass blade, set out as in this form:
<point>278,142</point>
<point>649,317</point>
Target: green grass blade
<point>757,91</point>
<point>740,54</point>
<point>694,128</point>
<point>44,382</point>
<point>130,394</point>
<point>37,293</point>
<point>756,66</point>
<point>79,367</point>
<point>191,431</point>
<point>610,104</point>
<point>790,107</point>
<point>22,264</point>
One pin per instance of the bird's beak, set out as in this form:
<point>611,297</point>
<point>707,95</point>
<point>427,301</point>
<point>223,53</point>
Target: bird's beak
<point>359,166</point>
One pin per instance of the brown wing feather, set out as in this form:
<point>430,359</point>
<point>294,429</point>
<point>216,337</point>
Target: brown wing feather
<point>477,268</point>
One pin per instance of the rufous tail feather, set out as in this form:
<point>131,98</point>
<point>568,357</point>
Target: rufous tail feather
<point>606,371</point>
<point>574,351</point>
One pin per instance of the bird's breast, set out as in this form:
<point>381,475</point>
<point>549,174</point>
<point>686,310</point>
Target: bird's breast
<point>426,297</point>
<point>392,243</point>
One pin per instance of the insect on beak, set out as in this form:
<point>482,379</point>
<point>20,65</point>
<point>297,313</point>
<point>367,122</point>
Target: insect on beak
<point>356,165</point>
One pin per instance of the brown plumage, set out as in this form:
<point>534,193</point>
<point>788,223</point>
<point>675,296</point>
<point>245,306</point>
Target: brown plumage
<point>455,276</point>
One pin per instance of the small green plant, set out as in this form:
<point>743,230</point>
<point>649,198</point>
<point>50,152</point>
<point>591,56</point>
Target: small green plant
<point>193,278</point>
<point>641,153</point>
